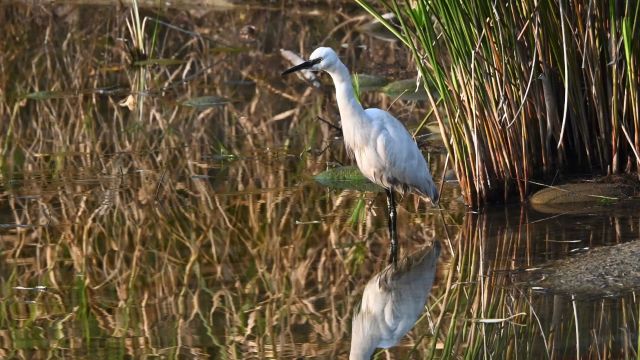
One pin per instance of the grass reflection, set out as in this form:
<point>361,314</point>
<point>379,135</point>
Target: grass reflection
<point>172,232</point>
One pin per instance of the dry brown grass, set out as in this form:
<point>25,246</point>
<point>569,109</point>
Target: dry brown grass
<point>171,232</point>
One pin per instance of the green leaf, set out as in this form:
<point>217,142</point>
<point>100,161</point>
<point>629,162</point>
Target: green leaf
<point>346,178</point>
<point>47,94</point>
<point>366,82</point>
<point>405,90</point>
<point>358,212</point>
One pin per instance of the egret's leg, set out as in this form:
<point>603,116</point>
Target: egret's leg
<point>391,204</point>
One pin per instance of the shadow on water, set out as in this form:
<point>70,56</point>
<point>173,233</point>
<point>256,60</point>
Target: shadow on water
<point>135,226</point>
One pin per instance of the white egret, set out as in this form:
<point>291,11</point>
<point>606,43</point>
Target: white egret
<point>384,150</point>
<point>392,302</point>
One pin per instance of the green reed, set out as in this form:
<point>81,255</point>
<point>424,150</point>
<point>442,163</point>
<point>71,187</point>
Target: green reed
<point>528,88</point>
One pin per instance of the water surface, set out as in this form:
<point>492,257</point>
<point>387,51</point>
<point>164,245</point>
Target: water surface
<point>163,230</point>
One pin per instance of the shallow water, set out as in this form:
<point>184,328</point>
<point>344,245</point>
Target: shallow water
<point>169,231</point>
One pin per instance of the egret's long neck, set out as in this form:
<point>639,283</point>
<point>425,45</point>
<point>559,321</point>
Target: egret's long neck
<point>350,109</point>
<point>352,116</point>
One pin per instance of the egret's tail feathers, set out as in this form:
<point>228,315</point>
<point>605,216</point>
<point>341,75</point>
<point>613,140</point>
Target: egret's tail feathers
<point>431,191</point>
<point>435,198</point>
<point>428,189</point>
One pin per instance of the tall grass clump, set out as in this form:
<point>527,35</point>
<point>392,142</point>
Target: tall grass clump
<point>527,89</point>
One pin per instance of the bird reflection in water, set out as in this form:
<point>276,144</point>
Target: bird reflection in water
<point>392,302</point>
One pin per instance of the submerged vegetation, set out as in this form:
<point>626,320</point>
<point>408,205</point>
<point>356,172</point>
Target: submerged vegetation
<point>168,208</point>
<point>526,89</point>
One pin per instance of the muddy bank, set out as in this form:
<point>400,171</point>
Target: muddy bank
<point>605,271</point>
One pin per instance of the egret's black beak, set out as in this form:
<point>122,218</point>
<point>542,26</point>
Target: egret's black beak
<point>305,65</point>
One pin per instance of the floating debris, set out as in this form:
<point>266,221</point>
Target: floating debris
<point>48,94</point>
<point>129,102</point>
<point>308,222</point>
<point>51,94</point>
<point>295,59</point>
<point>205,102</point>
<point>35,288</point>
<point>17,226</point>
<point>111,90</point>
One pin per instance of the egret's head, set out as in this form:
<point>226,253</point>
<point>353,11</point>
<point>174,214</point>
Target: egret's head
<point>322,58</point>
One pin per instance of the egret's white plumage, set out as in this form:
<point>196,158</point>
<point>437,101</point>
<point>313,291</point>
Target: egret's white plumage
<point>392,302</point>
<point>384,150</point>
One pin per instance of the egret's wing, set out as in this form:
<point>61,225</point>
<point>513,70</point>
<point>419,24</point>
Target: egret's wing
<point>404,164</point>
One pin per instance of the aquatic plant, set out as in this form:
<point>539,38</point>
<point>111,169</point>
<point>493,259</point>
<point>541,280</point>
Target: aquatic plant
<point>179,231</point>
<point>529,88</point>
